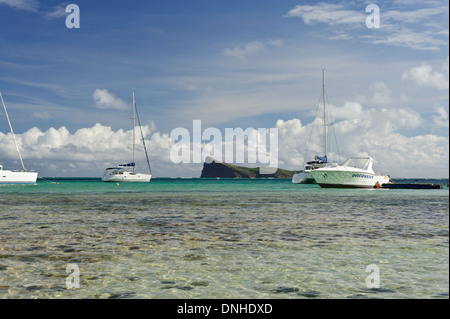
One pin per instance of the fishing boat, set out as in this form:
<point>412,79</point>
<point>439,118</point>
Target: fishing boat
<point>349,175</point>
<point>16,177</point>
<point>304,176</point>
<point>127,172</point>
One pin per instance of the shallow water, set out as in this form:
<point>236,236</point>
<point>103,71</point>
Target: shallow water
<point>192,238</point>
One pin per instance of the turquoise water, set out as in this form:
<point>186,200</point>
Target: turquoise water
<point>193,238</point>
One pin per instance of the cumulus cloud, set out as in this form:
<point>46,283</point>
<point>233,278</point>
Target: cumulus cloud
<point>86,152</point>
<point>423,75</point>
<point>106,100</point>
<point>358,131</point>
<point>394,153</point>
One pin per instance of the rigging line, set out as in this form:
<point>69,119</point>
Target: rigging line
<point>143,140</point>
<point>312,130</point>
<point>334,133</point>
<point>12,132</point>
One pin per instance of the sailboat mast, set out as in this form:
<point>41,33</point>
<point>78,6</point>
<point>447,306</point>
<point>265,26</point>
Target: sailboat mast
<point>325,122</point>
<point>134,133</point>
<point>12,132</point>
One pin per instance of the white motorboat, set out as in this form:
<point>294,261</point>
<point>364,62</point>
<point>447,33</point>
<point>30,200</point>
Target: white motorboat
<point>16,177</point>
<point>304,176</point>
<point>348,176</point>
<point>127,172</point>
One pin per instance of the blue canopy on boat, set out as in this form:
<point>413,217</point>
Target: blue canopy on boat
<point>322,158</point>
<point>127,165</point>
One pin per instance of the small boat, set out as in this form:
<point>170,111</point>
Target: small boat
<point>304,176</point>
<point>127,172</point>
<point>16,177</point>
<point>348,176</point>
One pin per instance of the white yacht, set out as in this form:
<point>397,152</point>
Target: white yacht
<point>127,172</point>
<point>16,177</point>
<point>347,175</point>
<point>304,176</point>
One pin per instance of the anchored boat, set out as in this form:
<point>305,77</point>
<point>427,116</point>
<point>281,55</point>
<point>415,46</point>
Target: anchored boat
<point>127,172</point>
<point>16,177</point>
<point>304,176</point>
<point>349,176</point>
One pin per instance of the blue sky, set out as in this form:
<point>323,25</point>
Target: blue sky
<point>229,64</point>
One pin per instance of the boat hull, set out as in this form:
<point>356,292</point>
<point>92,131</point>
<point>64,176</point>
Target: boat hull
<point>127,178</point>
<point>343,179</point>
<point>303,178</point>
<point>11,177</point>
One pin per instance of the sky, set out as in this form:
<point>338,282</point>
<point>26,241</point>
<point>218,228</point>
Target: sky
<point>230,64</point>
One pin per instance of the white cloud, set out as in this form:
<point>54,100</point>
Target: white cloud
<point>332,14</point>
<point>242,51</point>
<point>398,117</point>
<point>441,119</point>
<point>404,37</point>
<point>251,48</point>
<point>398,27</point>
<point>414,16</point>
<point>29,5</point>
<point>423,75</point>
<point>381,93</point>
<point>394,153</point>
<point>88,151</point>
<point>58,12</point>
<point>106,100</point>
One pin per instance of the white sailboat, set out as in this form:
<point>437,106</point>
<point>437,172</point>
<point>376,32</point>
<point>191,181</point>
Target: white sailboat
<point>16,177</point>
<point>304,176</point>
<point>127,172</point>
<point>347,175</point>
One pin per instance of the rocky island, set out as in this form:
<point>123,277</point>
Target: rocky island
<point>224,170</point>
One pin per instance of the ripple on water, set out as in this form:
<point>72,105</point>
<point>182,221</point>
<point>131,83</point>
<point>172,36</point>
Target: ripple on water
<point>213,244</point>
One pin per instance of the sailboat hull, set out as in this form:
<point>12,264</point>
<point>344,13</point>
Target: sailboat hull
<point>303,178</point>
<point>10,177</point>
<point>127,177</point>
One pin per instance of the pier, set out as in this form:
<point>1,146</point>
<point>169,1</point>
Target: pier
<point>411,186</point>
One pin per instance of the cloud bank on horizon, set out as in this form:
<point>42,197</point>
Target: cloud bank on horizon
<point>388,87</point>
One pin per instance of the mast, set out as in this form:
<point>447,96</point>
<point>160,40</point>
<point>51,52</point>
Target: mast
<point>325,124</point>
<point>134,133</point>
<point>12,132</point>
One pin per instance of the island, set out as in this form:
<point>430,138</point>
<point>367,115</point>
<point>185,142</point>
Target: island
<point>224,170</point>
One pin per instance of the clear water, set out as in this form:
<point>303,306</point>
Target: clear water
<point>193,238</point>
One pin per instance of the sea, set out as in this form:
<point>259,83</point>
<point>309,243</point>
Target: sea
<point>176,238</point>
